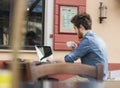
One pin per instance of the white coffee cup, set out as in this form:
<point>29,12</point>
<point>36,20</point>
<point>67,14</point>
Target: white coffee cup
<point>70,44</point>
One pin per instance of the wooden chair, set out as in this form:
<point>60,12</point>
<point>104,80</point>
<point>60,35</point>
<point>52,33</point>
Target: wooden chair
<point>45,70</point>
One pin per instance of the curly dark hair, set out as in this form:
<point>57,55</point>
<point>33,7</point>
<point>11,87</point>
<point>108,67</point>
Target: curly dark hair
<point>83,19</point>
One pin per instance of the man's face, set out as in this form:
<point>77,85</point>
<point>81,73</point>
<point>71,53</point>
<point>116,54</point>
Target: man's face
<point>78,31</point>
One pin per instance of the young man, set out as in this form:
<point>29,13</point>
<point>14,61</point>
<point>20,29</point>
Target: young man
<point>91,49</point>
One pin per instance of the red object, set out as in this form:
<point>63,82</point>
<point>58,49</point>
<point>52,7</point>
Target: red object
<point>60,39</point>
<point>2,64</point>
<point>114,66</point>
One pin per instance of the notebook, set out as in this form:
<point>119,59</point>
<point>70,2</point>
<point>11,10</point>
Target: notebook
<point>43,52</point>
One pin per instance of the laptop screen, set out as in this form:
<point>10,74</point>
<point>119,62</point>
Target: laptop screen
<point>43,51</point>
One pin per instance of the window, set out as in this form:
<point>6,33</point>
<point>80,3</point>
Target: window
<point>33,30</point>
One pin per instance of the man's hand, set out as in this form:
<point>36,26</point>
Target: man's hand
<point>55,60</point>
<point>71,44</point>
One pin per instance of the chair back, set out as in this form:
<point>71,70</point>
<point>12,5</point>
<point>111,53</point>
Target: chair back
<point>45,70</point>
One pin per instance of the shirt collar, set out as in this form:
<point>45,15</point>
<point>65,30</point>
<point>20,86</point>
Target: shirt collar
<point>87,33</point>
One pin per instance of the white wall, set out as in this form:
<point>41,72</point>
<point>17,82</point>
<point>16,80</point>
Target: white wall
<point>109,30</point>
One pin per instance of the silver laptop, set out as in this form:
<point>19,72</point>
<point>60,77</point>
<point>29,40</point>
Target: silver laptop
<point>43,52</point>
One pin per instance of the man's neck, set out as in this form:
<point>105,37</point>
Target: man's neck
<point>84,33</point>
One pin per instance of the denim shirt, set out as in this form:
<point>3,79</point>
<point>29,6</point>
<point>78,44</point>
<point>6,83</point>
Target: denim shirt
<point>91,50</point>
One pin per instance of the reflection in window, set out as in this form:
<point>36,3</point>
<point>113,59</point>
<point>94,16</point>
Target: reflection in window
<point>33,29</point>
<point>4,21</point>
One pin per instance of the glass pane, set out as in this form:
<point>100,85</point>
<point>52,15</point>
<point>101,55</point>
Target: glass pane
<point>33,30</point>
<point>4,21</point>
<point>34,21</point>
